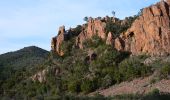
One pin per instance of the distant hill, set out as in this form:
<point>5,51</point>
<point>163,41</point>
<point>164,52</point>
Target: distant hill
<point>21,58</point>
<point>20,63</point>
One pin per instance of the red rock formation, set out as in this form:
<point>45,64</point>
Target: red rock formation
<point>119,44</point>
<point>57,41</point>
<point>94,27</point>
<point>110,39</point>
<point>150,33</point>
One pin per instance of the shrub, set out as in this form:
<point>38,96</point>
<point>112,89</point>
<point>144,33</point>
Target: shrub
<point>74,32</point>
<point>67,46</point>
<point>165,71</point>
<point>74,87</point>
<point>132,68</point>
<point>117,27</point>
<point>87,86</point>
<point>94,42</point>
<point>106,81</point>
<point>152,81</point>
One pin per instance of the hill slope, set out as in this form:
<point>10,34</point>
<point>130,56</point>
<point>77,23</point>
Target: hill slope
<point>22,57</point>
<point>16,66</point>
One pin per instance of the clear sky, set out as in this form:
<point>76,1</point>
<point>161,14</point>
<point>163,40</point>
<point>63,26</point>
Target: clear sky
<point>34,22</point>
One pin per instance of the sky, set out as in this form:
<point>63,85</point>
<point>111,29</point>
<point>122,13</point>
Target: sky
<point>34,22</point>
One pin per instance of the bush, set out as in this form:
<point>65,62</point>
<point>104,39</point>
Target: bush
<point>117,27</point>
<point>106,81</point>
<point>94,42</point>
<point>155,91</point>
<point>87,86</point>
<point>74,32</point>
<point>132,68</point>
<point>67,46</point>
<point>74,87</point>
<point>165,71</point>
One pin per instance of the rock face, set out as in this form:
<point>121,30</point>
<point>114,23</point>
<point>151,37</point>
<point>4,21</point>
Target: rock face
<point>57,41</point>
<point>150,33</point>
<point>110,39</point>
<point>94,27</point>
<point>40,76</point>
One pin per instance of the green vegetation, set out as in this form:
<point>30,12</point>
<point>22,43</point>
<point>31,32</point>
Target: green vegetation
<point>118,26</point>
<point>165,70</point>
<point>74,32</point>
<point>132,68</point>
<point>18,66</point>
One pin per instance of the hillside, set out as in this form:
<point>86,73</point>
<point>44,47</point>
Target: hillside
<point>103,57</point>
<point>107,51</point>
<point>18,65</point>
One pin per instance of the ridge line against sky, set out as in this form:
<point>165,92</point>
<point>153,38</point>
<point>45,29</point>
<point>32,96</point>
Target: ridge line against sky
<point>34,22</point>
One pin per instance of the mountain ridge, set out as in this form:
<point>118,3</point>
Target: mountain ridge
<point>146,33</point>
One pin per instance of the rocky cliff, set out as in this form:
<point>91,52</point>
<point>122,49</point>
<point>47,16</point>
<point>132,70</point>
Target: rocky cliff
<point>94,27</point>
<point>57,41</point>
<point>149,33</point>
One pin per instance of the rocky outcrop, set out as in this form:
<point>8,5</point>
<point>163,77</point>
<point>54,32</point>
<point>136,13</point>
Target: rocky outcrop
<point>150,33</point>
<point>57,41</point>
<point>110,39</point>
<point>41,76</point>
<point>119,44</point>
<point>94,27</point>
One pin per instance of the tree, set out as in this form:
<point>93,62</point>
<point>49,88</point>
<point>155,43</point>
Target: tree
<point>99,18</point>
<point>113,12</point>
<point>140,12</point>
<point>85,18</point>
<point>165,70</point>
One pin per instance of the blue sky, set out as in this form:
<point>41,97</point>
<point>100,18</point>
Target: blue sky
<point>34,22</point>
